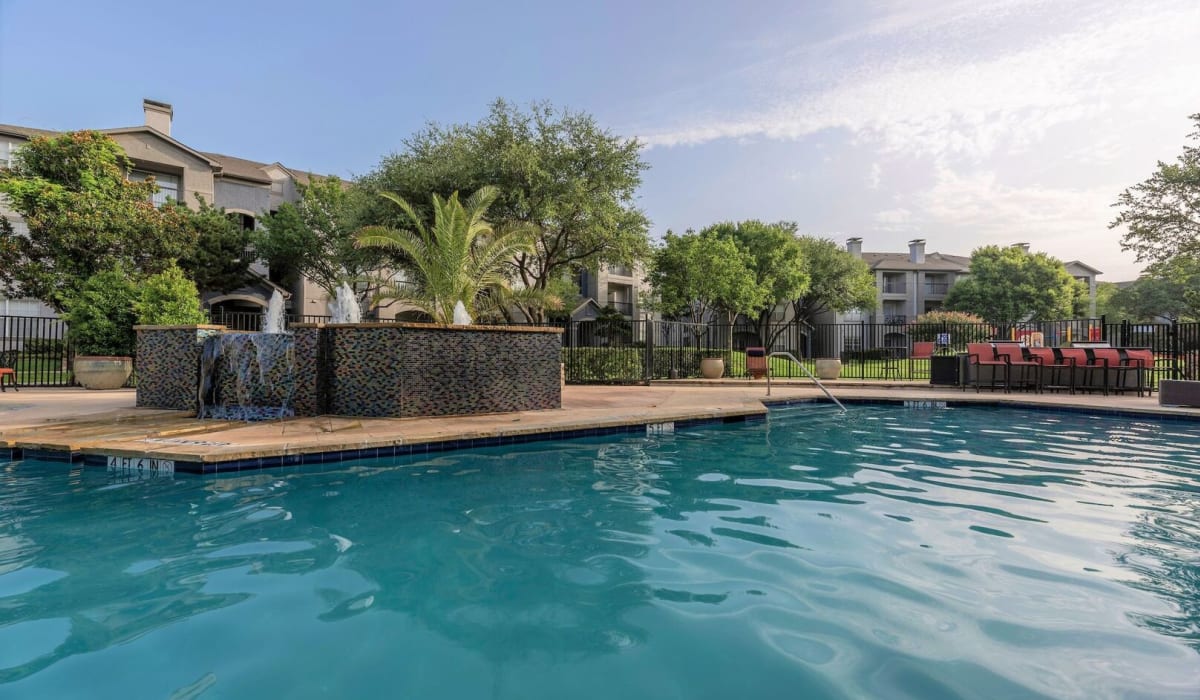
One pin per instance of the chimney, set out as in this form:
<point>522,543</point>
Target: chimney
<point>916,250</point>
<point>854,246</point>
<point>158,116</point>
<point>1022,246</point>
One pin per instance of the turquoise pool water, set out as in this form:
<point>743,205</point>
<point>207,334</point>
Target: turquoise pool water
<point>888,553</point>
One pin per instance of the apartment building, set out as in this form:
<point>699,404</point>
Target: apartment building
<point>913,283</point>
<point>244,188</point>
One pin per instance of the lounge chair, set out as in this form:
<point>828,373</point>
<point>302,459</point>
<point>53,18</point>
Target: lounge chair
<point>1116,373</point>
<point>981,361</point>
<point>1054,372</point>
<point>1020,370</point>
<point>1084,371</point>
<point>1149,371</point>
<point>8,369</point>
<point>756,362</point>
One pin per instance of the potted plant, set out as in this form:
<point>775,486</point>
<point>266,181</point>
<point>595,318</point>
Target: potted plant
<point>828,367</point>
<point>100,327</point>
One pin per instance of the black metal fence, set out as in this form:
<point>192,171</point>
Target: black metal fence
<point>626,351</point>
<point>39,349</point>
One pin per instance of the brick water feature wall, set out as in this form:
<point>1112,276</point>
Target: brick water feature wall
<point>379,369</point>
<point>417,369</point>
<point>168,365</point>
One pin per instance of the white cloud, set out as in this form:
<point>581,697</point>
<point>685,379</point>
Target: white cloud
<point>995,121</point>
<point>951,102</point>
<point>899,219</point>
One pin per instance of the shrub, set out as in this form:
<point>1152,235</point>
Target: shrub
<point>100,315</point>
<point>963,327</point>
<point>168,299</point>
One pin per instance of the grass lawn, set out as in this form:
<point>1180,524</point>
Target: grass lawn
<point>40,370</point>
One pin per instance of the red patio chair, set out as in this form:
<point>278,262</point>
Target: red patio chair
<point>1083,373</point>
<point>922,350</point>
<point>1054,373</point>
<point>980,357</point>
<point>8,368</point>
<point>1148,370</point>
<point>756,362</point>
<point>1029,370</point>
<point>1116,372</point>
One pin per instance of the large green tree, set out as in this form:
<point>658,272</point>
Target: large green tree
<point>221,258</point>
<point>702,276</point>
<point>838,281</point>
<point>83,217</point>
<point>558,171</point>
<point>460,257</point>
<point>1162,214</point>
<point>1170,290</point>
<point>777,263</point>
<point>316,237</point>
<point>1010,284</point>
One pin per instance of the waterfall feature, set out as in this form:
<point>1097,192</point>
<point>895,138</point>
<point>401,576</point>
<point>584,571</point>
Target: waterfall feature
<point>273,317</point>
<point>247,376</point>
<point>344,308</point>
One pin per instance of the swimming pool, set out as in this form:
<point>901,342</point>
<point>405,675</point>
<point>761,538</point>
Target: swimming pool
<point>889,552</point>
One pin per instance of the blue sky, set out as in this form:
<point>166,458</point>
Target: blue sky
<point>961,122</point>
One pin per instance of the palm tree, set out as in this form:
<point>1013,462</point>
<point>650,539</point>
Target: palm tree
<point>461,257</point>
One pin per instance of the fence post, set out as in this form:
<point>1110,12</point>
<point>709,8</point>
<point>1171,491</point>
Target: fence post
<point>648,331</point>
<point>1173,336</point>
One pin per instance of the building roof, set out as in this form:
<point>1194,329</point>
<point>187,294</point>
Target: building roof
<point>226,166</point>
<point>241,168</point>
<point>25,131</point>
<point>1084,265</point>
<point>933,262</point>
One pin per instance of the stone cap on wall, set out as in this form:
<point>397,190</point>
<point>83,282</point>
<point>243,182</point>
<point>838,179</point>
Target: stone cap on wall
<point>187,327</point>
<point>433,327</point>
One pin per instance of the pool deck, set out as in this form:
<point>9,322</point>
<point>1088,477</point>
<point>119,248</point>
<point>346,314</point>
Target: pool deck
<point>77,425</point>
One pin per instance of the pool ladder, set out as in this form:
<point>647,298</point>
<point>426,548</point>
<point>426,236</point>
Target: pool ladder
<point>816,381</point>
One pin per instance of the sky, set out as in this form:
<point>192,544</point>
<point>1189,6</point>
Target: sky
<point>963,122</point>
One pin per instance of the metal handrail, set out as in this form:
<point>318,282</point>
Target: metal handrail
<point>805,369</point>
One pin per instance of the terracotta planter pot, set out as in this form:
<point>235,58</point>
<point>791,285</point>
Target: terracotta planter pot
<point>712,367</point>
<point>828,367</point>
<point>102,372</point>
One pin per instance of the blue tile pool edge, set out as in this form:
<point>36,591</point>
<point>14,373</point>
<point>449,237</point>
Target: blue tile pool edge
<point>1015,405</point>
<point>403,450</point>
<point>294,460</point>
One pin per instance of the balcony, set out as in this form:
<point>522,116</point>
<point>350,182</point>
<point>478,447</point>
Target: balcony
<point>625,307</point>
<point>620,271</point>
<point>936,287</point>
<point>898,287</point>
<point>895,318</point>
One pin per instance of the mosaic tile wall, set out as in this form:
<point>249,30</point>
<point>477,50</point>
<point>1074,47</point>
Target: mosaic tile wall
<point>403,370</point>
<point>168,361</point>
<point>449,372</point>
<point>366,371</point>
<point>307,399</point>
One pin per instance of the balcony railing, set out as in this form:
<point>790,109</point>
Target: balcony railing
<point>895,318</point>
<point>895,288</point>
<point>620,271</point>
<point>625,307</point>
<point>937,287</point>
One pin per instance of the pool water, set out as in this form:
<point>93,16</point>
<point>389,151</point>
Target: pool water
<point>886,553</point>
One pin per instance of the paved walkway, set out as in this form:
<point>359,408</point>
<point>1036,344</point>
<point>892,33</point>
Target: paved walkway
<point>106,423</point>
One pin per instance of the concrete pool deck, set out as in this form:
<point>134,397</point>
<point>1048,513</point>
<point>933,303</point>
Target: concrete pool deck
<point>73,424</point>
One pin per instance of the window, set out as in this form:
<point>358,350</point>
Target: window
<point>7,150</point>
<point>168,185</point>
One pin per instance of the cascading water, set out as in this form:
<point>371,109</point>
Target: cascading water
<point>344,308</point>
<point>249,376</point>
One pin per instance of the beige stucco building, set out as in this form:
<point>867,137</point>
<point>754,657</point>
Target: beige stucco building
<point>245,189</point>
